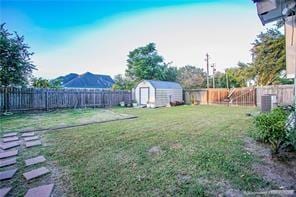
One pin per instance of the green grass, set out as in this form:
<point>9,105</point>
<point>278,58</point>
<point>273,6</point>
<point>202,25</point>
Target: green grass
<point>202,153</point>
<point>55,119</point>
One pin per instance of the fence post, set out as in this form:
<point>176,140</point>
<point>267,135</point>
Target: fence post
<point>6,99</point>
<point>46,99</point>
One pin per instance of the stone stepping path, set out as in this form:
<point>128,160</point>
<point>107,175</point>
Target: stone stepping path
<point>7,158</point>
<point>35,160</point>
<point>10,134</point>
<point>36,173</point>
<point>31,138</point>
<point>9,145</point>
<point>4,191</point>
<point>29,134</point>
<point>10,153</point>
<point>33,143</point>
<point>7,162</point>
<point>41,191</point>
<point>8,174</point>
<point>10,139</point>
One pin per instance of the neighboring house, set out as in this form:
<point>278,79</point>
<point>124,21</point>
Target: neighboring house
<point>87,80</point>
<point>158,93</point>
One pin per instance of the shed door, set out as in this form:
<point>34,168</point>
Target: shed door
<point>144,96</point>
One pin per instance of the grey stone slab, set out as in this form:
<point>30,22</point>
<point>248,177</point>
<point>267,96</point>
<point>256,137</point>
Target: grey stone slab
<point>36,173</point>
<point>35,160</point>
<point>7,162</point>
<point>29,134</point>
<point>8,145</point>
<point>7,174</point>
<point>33,143</point>
<point>10,134</point>
<point>31,138</point>
<point>4,191</point>
<point>10,139</point>
<point>9,153</point>
<point>40,191</point>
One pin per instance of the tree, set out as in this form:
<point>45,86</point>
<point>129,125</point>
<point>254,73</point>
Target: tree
<point>269,57</point>
<point>191,77</point>
<point>122,83</point>
<point>146,63</point>
<point>45,83</point>
<point>15,59</point>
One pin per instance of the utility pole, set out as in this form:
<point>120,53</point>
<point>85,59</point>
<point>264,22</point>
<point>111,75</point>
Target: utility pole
<point>214,70</point>
<point>207,60</point>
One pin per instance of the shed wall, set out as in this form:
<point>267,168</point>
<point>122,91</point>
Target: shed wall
<point>164,96</point>
<point>144,84</point>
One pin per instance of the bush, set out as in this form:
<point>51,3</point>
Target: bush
<point>270,128</point>
<point>291,130</point>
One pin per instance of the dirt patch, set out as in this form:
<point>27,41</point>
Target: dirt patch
<point>176,146</point>
<point>280,172</point>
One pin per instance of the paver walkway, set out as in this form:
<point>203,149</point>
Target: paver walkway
<point>31,138</point>
<point>7,174</point>
<point>8,157</point>
<point>7,162</point>
<point>35,173</point>
<point>9,145</point>
<point>9,153</point>
<point>29,134</point>
<point>4,191</point>
<point>35,160</point>
<point>10,139</point>
<point>33,143</point>
<point>10,134</point>
<point>41,191</point>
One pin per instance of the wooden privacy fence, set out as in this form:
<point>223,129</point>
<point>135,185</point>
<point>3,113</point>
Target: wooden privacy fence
<point>26,99</point>
<point>284,93</point>
<point>249,96</point>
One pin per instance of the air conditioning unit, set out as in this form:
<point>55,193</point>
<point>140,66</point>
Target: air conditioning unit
<point>268,102</point>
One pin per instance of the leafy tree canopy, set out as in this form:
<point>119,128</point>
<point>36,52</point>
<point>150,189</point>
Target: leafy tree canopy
<point>145,63</point>
<point>123,83</point>
<point>269,57</point>
<point>191,77</point>
<point>45,83</point>
<point>15,59</point>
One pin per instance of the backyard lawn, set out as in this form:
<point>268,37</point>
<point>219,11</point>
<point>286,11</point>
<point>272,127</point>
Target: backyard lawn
<point>179,151</point>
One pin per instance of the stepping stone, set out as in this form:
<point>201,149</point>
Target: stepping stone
<point>4,191</point>
<point>9,134</point>
<point>8,174</point>
<point>29,134</point>
<point>41,191</point>
<point>36,173</point>
<point>35,160</point>
<point>7,162</point>
<point>10,139</point>
<point>10,153</point>
<point>9,145</point>
<point>33,143</point>
<point>31,138</point>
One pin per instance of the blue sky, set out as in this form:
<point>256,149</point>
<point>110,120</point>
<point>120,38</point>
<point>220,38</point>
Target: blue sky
<point>79,36</point>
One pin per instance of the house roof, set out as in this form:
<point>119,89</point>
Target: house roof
<point>89,80</point>
<point>164,84</point>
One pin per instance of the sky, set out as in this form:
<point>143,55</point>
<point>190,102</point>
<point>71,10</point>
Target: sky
<point>76,36</point>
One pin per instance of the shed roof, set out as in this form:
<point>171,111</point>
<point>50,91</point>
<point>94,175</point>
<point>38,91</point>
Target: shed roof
<point>164,84</point>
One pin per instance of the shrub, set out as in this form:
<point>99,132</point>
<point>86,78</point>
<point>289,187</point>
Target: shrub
<point>291,130</point>
<point>270,128</point>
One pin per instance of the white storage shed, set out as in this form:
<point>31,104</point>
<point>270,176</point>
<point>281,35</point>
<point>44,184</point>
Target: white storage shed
<point>154,93</point>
